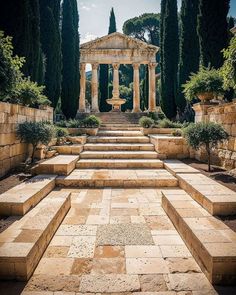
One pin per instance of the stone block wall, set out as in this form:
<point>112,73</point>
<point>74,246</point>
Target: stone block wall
<point>12,151</point>
<point>225,114</point>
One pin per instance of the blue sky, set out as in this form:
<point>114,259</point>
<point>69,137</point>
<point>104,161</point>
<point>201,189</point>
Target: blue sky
<point>94,14</point>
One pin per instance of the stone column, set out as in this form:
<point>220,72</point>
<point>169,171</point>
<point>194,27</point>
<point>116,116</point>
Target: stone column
<point>152,87</point>
<point>136,93</point>
<point>94,85</point>
<point>82,87</point>
<point>116,91</point>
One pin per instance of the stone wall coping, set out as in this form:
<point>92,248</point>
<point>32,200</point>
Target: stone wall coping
<point>6,107</point>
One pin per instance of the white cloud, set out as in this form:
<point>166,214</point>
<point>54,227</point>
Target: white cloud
<point>88,37</point>
<point>84,7</point>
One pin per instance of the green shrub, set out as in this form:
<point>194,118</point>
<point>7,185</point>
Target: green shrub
<point>206,80</point>
<point>62,124</point>
<point>146,122</point>
<point>73,123</point>
<point>61,132</point>
<point>177,132</point>
<point>35,133</point>
<point>92,122</point>
<point>205,135</point>
<point>166,123</point>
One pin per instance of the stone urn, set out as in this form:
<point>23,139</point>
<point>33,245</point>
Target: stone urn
<point>116,103</point>
<point>206,96</point>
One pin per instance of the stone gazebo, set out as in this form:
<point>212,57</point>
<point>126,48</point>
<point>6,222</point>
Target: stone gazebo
<point>117,49</point>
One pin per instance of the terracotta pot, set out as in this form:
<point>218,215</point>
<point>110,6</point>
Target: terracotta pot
<point>206,96</point>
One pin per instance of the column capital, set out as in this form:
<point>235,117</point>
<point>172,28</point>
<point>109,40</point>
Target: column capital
<point>152,65</point>
<point>95,66</point>
<point>116,66</point>
<point>136,66</point>
<point>82,66</point>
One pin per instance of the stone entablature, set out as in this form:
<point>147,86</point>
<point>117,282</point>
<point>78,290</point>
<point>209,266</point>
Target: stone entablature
<point>116,49</point>
<point>224,114</point>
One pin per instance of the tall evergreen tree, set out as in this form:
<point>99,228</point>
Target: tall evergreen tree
<point>189,47</point>
<point>104,69</point>
<point>169,56</point>
<point>213,31</point>
<point>21,20</point>
<point>51,46</point>
<point>70,53</point>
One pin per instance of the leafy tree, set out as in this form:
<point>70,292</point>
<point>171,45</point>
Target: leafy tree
<point>35,133</point>
<point>70,53</point>
<point>205,135</point>
<point>104,70</point>
<point>21,20</point>
<point>189,47</point>
<point>213,31</point>
<point>169,56</point>
<point>51,46</point>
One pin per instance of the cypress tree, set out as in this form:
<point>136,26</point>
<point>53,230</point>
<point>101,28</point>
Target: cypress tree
<point>213,31</point>
<point>70,60</point>
<point>51,46</point>
<point>21,20</point>
<point>169,56</point>
<point>104,69</point>
<point>189,47</point>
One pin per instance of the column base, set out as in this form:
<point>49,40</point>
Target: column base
<point>95,111</point>
<point>152,110</point>
<point>136,111</point>
<point>81,111</point>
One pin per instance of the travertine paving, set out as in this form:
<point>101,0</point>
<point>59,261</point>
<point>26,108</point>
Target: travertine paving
<point>116,240</point>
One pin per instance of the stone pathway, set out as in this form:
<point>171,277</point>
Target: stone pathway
<point>117,241</point>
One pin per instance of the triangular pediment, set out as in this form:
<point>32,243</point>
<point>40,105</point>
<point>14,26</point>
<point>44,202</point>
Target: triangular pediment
<point>118,41</point>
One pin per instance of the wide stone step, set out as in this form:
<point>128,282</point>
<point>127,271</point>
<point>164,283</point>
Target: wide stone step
<point>118,178</point>
<point>61,165</point>
<point>21,198</point>
<point>176,166</point>
<point>119,163</point>
<point>74,149</point>
<point>119,133</point>
<point>119,147</point>
<point>114,128</point>
<point>118,155</point>
<point>115,139</point>
<point>24,242</point>
<point>214,197</point>
<point>210,241</point>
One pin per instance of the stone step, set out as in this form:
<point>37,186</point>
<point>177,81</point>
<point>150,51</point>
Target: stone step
<point>100,178</point>
<point>24,242</point>
<point>118,155</point>
<point>119,163</point>
<point>61,165</point>
<point>119,125</point>
<point>119,147</point>
<point>176,166</point>
<point>21,198</point>
<point>211,195</point>
<point>119,133</point>
<point>74,149</point>
<point>124,128</point>
<point>210,241</point>
<point>115,139</point>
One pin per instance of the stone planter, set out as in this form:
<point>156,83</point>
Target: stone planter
<point>88,131</point>
<point>154,130</point>
<point>206,96</point>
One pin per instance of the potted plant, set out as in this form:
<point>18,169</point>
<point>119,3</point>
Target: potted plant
<point>206,85</point>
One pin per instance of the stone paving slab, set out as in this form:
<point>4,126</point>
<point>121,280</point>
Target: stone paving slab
<point>211,195</point>
<point>24,242</point>
<point>177,166</point>
<point>118,155</point>
<point>21,198</point>
<point>118,178</point>
<point>60,165</point>
<point>210,241</point>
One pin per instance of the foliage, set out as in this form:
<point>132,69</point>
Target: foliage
<point>104,70</point>
<point>10,66</point>
<point>169,43</point>
<point>146,122</point>
<point>206,80</point>
<point>51,46</point>
<point>229,67</point>
<point>189,47</point>
<point>70,54</point>
<point>166,123</point>
<point>89,122</point>
<point>127,93</point>
<point>92,121</point>
<point>35,133</point>
<point>21,20</point>
<point>61,132</point>
<point>177,133</point>
<point>213,31</point>
<point>206,135</point>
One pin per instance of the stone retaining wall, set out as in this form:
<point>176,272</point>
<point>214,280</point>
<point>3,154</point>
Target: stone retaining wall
<point>12,151</point>
<point>224,114</point>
